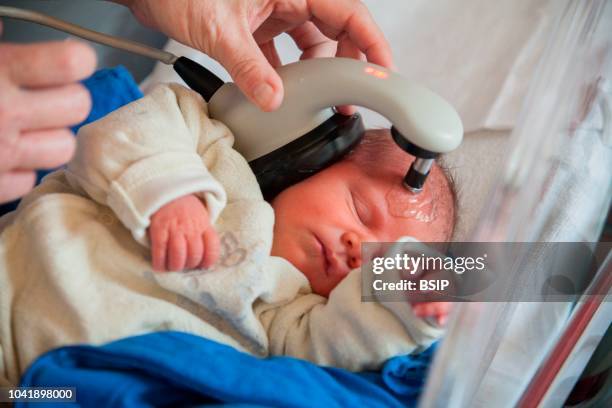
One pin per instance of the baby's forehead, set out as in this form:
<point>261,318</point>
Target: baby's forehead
<point>432,209</point>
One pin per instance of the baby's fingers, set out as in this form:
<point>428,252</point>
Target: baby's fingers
<point>177,252</point>
<point>194,252</point>
<point>212,248</point>
<point>159,242</point>
<point>437,310</point>
<point>430,308</point>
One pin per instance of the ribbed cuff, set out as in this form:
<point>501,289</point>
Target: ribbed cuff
<point>141,191</point>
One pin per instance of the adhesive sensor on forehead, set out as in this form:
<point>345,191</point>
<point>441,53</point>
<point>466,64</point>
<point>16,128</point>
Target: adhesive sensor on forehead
<point>305,134</point>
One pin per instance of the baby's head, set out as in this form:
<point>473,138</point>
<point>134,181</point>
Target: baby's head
<point>322,221</point>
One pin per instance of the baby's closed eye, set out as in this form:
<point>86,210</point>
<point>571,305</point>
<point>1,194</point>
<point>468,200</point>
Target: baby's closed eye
<point>361,209</point>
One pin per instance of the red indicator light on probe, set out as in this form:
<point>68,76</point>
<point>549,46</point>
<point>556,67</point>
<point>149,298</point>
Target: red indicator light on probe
<point>376,72</point>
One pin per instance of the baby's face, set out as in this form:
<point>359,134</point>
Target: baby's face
<point>322,221</point>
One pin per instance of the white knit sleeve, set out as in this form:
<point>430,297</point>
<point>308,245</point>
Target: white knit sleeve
<point>148,153</point>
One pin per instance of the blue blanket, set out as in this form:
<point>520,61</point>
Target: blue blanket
<point>179,369</point>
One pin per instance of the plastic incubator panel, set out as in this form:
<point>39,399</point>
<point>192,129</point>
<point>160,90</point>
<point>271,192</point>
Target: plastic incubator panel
<point>555,186</point>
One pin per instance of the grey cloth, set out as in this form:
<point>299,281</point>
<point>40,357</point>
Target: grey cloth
<point>474,167</point>
<point>104,16</point>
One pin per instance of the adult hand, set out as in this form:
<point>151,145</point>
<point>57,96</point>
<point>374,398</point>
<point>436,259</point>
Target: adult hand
<point>240,35</point>
<point>39,99</point>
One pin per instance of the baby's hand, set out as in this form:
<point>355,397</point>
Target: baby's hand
<point>437,310</point>
<point>182,237</point>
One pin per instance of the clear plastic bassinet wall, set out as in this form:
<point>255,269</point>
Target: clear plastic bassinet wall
<point>555,186</point>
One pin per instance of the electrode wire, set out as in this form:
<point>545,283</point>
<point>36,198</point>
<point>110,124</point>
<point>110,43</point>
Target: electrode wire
<point>105,39</point>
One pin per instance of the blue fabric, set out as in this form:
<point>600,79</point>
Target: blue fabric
<point>110,89</point>
<point>179,369</point>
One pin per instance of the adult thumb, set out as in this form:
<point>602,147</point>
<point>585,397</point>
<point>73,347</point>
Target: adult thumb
<point>250,70</point>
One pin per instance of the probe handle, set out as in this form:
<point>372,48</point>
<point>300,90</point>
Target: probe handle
<point>313,86</point>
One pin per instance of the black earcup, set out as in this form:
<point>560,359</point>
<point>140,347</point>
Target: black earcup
<point>316,150</point>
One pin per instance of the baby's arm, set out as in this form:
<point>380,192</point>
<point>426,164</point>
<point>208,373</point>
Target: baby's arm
<point>344,331</point>
<point>148,154</point>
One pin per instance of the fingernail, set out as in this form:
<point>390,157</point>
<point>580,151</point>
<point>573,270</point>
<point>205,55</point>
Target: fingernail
<point>263,94</point>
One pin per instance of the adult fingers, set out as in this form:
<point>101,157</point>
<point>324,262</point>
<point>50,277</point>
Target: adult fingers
<point>177,251</point>
<point>48,64</point>
<point>45,149</point>
<point>240,55</point>
<point>159,247</point>
<point>15,184</point>
<point>195,251</point>
<point>347,110</point>
<point>212,248</point>
<point>314,44</point>
<point>271,54</point>
<point>352,17</point>
<point>311,41</point>
<point>348,49</point>
<point>52,107</point>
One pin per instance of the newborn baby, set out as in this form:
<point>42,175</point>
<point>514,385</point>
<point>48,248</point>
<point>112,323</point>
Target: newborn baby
<point>157,186</point>
<point>321,222</point>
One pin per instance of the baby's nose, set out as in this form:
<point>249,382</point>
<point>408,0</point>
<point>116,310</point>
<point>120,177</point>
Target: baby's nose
<point>352,245</point>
